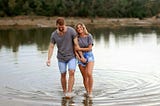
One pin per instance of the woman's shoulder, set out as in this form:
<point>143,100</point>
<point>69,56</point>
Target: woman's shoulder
<point>90,35</point>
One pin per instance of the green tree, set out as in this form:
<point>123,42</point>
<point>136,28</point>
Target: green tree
<point>82,8</point>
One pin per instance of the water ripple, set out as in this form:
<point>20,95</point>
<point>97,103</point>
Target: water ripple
<point>113,88</point>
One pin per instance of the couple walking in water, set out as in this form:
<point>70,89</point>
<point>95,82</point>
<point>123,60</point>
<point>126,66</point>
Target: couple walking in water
<point>73,44</point>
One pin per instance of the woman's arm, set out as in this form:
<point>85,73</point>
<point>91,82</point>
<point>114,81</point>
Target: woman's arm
<point>89,48</point>
<point>78,53</point>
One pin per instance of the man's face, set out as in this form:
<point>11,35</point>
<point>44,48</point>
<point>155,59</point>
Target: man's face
<point>61,27</point>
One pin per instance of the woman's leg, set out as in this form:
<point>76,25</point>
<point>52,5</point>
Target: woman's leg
<point>90,77</point>
<point>84,75</point>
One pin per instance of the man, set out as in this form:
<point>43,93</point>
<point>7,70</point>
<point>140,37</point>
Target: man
<point>65,39</point>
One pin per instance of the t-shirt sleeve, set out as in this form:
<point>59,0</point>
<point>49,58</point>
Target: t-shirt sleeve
<point>52,40</point>
<point>74,33</point>
<point>90,40</point>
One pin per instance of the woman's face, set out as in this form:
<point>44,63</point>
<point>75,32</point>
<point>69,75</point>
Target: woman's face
<point>79,29</point>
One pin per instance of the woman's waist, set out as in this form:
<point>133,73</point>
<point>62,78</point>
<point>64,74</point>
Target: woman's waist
<point>88,53</point>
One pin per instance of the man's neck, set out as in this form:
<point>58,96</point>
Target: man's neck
<point>62,32</point>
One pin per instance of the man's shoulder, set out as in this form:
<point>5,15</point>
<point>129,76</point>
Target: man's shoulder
<point>71,31</point>
<point>70,28</point>
<point>54,33</point>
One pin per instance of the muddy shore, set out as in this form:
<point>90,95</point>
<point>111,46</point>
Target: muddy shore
<point>40,21</point>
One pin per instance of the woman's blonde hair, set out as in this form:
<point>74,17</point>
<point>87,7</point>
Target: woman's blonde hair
<point>84,28</point>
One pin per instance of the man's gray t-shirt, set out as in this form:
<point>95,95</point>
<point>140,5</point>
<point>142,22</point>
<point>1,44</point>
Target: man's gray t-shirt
<point>65,44</point>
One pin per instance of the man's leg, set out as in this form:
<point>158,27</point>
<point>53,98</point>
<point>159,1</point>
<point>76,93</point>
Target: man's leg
<point>70,81</point>
<point>62,68</point>
<point>71,69</point>
<point>63,81</point>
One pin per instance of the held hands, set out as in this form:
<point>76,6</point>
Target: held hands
<point>48,63</point>
<point>83,60</point>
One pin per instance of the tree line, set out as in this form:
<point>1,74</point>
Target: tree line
<point>81,8</point>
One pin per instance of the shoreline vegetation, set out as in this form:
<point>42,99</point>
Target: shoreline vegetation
<point>42,21</point>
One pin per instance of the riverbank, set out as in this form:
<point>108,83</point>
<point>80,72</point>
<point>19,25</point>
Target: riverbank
<point>41,21</point>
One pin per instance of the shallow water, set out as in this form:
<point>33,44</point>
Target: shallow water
<point>126,72</point>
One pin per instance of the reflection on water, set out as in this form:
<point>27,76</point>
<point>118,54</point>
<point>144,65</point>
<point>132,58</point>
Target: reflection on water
<point>13,38</point>
<point>126,69</point>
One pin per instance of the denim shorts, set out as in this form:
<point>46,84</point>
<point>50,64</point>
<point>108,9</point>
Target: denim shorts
<point>88,56</point>
<point>63,65</point>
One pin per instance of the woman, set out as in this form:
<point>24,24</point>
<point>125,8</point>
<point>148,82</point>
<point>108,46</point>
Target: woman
<point>85,41</point>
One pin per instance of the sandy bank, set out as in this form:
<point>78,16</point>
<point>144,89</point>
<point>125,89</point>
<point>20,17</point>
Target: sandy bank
<point>96,22</point>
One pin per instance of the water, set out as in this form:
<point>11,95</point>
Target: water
<point>126,72</point>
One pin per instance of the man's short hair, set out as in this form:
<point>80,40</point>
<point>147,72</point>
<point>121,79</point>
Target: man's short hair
<point>60,21</point>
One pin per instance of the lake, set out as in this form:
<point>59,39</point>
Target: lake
<point>126,71</point>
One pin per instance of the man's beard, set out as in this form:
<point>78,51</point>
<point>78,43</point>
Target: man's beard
<point>61,29</point>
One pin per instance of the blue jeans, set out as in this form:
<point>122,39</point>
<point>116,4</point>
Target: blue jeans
<point>71,65</point>
<point>88,56</point>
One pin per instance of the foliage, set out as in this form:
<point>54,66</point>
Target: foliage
<point>82,8</point>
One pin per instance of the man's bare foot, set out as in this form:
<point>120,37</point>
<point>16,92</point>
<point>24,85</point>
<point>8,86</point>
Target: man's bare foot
<point>69,95</point>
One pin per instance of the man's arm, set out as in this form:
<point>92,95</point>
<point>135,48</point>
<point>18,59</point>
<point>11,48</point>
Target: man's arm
<point>50,52</point>
<point>77,55</point>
